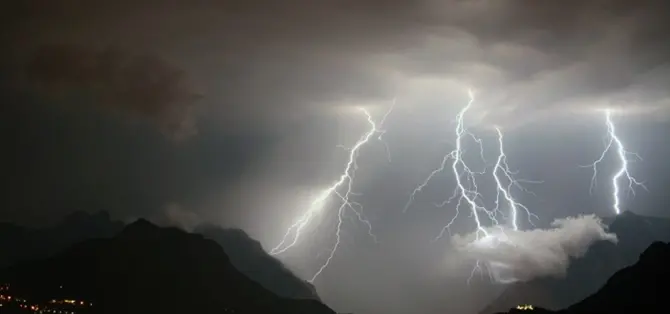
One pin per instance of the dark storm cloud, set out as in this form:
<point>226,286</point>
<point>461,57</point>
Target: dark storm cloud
<point>525,57</point>
<point>144,87</point>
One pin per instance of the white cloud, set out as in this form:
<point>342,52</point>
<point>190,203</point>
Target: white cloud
<point>177,216</point>
<point>512,256</point>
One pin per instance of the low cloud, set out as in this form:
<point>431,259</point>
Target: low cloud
<point>176,215</point>
<point>142,87</point>
<point>512,256</point>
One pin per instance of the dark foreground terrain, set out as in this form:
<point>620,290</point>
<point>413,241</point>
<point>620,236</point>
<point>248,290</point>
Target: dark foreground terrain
<point>144,269</point>
<point>18,243</point>
<point>640,288</point>
<point>589,273</point>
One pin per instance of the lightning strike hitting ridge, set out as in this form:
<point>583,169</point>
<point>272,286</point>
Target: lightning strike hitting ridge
<point>316,206</point>
<point>622,155</point>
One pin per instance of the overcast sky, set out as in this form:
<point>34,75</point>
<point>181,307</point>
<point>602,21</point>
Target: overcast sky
<point>233,113</point>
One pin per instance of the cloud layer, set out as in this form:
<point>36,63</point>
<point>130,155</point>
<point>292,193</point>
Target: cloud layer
<point>513,256</point>
<point>144,87</point>
<point>269,62</point>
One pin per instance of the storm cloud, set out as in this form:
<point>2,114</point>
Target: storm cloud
<point>265,61</point>
<point>144,87</point>
<point>522,255</point>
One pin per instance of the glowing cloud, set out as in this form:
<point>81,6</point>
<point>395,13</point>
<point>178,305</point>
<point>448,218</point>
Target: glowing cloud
<point>512,255</point>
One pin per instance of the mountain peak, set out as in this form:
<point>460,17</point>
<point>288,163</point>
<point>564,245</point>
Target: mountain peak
<point>628,215</point>
<point>145,265</point>
<point>637,236</point>
<point>657,251</point>
<point>139,227</point>
<point>248,256</point>
<point>626,218</point>
<point>141,224</point>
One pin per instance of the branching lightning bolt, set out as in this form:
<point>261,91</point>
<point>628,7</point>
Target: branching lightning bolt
<point>622,155</point>
<point>466,190</point>
<point>455,156</point>
<point>514,206</point>
<point>468,194</point>
<point>466,185</point>
<point>345,180</point>
<point>382,132</point>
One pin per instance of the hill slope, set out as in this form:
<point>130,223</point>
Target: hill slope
<point>248,256</point>
<point>148,269</point>
<point>19,243</point>
<point>589,273</point>
<point>640,288</point>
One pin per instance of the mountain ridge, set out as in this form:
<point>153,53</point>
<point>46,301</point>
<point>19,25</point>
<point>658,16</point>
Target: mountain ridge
<point>638,288</point>
<point>19,243</point>
<point>252,260</point>
<point>155,269</point>
<point>587,274</point>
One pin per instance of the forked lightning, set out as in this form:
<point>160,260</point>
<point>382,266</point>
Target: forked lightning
<point>345,180</point>
<point>468,194</point>
<point>466,185</point>
<point>466,190</point>
<point>623,171</point>
<point>514,206</point>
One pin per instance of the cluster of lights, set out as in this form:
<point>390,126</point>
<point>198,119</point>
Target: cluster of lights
<point>68,302</point>
<point>33,308</point>
<point>72,302</point>
<point>5,299</point>
<point>9,298</point>
<point>525,307</point>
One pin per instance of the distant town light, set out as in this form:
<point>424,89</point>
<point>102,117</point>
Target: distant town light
<point>525,307</point>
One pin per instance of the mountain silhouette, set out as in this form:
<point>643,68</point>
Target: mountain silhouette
<point>20,243</point>
<point>639,288</point>
<point>587,274</point>
<point>149,269</point>
<point>248,256</point>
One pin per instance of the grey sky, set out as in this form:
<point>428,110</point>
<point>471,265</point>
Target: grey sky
<point>273,85</point>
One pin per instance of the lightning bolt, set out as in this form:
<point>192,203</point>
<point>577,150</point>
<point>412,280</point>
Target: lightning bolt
<point>466,185</point>
<point>623,171</point>
<point>501,166</point>
<point>467,193</point>
<point>345,180</point>
<point>382,132</point>
<point>455,156</point>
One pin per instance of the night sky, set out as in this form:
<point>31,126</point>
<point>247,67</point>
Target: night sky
<point>234,114</point>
